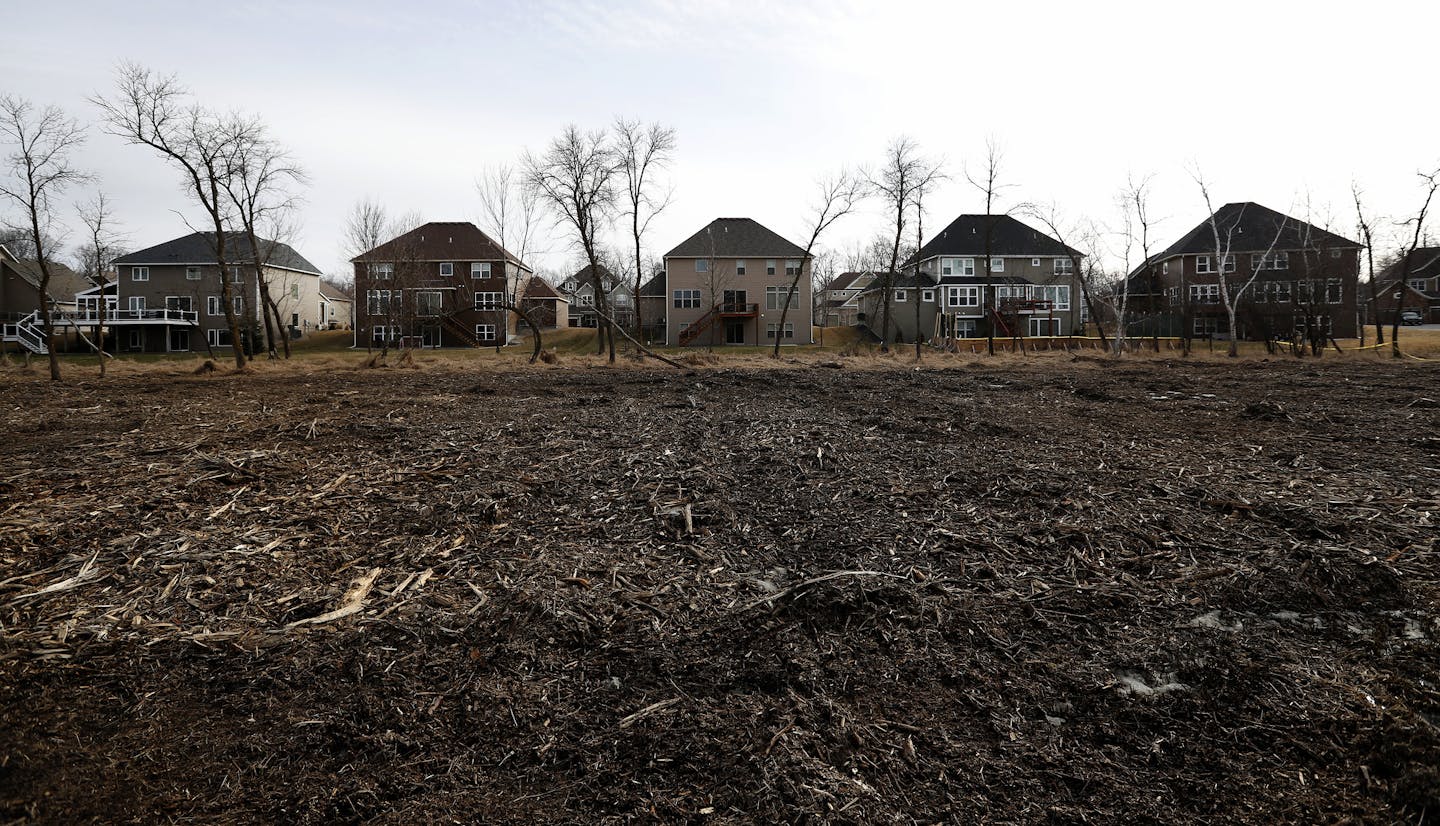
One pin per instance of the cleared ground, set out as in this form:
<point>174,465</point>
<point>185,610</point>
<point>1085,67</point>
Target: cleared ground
<point>1045,590</point>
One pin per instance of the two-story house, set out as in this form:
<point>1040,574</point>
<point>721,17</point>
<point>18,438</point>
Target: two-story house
<point>579,290</point>
<point>839,304</point>
<point>444,284</point>
<point>1030,287</point>
<point>728,284</point>
<point>169,297</point>
<point>651,303</point>
<point>1422,287</point>
<point>1286,277</point>
<point>20,302</point>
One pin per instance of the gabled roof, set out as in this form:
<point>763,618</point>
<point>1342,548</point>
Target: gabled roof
<point>655,287</point>
<point>539,288</point>
<point>901,281</point>
<point>441,241</point>
<point>332,293</point>
<point>1008,237</point>
<point>1250,228</point>
<point>199,248</point>
<point>1425,263</point>
<point>849,280</point>
<point>64,282</point>
<point>735,238</point>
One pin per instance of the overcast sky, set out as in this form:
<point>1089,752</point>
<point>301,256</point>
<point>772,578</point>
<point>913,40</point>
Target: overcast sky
<point>407,102</point>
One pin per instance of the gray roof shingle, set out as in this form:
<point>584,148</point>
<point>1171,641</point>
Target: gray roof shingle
<point>735,238</point>
<point>199,248</point>
<point>1008,237</point>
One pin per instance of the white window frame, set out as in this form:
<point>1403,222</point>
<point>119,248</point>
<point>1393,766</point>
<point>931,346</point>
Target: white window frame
<point>685,299</point>
<point>775,297</point>
<point>963,328</point>
<point>192,273</point>
<point>422,296</point>
<point>239,302</point>
<point>214,336</point>
<point>236,277</point>
<point>900,296</point>
<point>740,266</point>
<point>383,272</point>
<point>792,267</point>
<point>447,269</point>
<point>488,300</point>
<point>702,265</point>
<point>967,266</point>
<point>1204,293</point>
<point>997,264</point>
<point>485,332</point>
<point>947,266</point>
<point>587,300</point>
<point>1202,265</point>
<point>480,269</point>
<point>963,296</point>
<point>769,266</point>
<point>212,306</point>
<point>1034,262</point>
<point>927,296</point>
<point>136,304</point>
<point>139,273</point>
<point>1064,266</point>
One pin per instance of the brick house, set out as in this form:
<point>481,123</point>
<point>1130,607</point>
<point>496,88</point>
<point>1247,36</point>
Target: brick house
<point>1306,286</point>
<point>1422,287</point>
<point>168,298</point>
<point>444,284</point>
<point>727,284</point>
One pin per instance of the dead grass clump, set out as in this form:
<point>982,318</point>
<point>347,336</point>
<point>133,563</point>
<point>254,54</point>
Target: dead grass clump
<point>549,356</point>
<point>377,360</point>
<point>700,359</point>
<point>407,360</point>
<point>207,368</point>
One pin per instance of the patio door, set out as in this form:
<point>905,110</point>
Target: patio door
<point>733,298</point>
<point>179,339</point>
<point>735,331</point>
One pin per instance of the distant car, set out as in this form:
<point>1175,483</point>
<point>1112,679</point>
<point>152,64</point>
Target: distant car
<point>1411,318</point>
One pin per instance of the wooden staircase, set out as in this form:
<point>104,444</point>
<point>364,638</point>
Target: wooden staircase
<point>719,311</point>
<point>28,333</point>
<point>449,322</point>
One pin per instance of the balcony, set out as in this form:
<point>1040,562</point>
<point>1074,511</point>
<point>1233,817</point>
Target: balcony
<point>89,316</point>
<point>738,309</point>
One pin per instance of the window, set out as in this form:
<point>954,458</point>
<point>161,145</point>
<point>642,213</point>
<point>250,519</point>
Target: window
<point>212,305</point>
<point>1084,313</point>
<point>1034,262</point>
<point>383,271</point>
<point>947,266</point>
<point>1282,292</point>
<point>480,269</point>
<point>1204,293</point>
<point>239,305</point>
<point>137,339</point>
<point>294,319</point>
<point>701,265</point>
<point>1064,266</point>
<point>180,303</point>
<point>686,299</point>
<point>488,300</point>
<point>620,299</point>
<point>1333,291</point>
<point>967,266</point>
<point>769,266</point>
<point>792,268</point>
<point>1206,326</point>
<point>997,264</point>
<point>899,296</point>
<point>377,302</point>
<point>962,296</point>
<point>1202,264</point>
<point>1417,284</point>
<point>587,300</point>
<point>139,273</point>
<point>964,328</point>
<point>484,332</point>
<point>1334,253</point>
<point>137,303</point>
<point>1277,261</point>
<point>192,273</point>
<point>740,267</point>
<point>787,333</point>
<point>447,269</point>
<point>294,290</point>
<point>1057,294</point>
<point>218,338</point>
<point>382,334</point>
<point>235,277</point>
<point>927,296</point>
<point>427,302</point>
<point>775,298</point>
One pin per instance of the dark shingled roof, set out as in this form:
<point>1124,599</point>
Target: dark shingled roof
<point>655,287</point>
<point>846,280</point>
<point>538,288</point>
<point>64,282</point>
<point>1008,237</point>
<point>901,281</point>
<point>1425,263</point>
<point>735,238</point>
<point>199,248</point>
<point>1251,227</point>
<point>441,241</point>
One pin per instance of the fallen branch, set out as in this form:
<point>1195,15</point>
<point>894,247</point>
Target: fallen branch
<point>353,601</point>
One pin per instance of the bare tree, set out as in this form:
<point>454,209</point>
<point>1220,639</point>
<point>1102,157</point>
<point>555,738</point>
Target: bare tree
<point>40,169</point>
<point>510,210</point>
<point>1135,209</point>
<point>1224,239</point>
<point>904,175</point>
<point>643,151</point>
<point>100,248</point>
<point>988,182</point>
<point>576,178</point>
<point>1367,236</point>
<point>153,110</point>
<point>260,186</point>
<point>365,229</point>
<point>1082,264</point>
<point>1430,182</point>
<point>838,198</point>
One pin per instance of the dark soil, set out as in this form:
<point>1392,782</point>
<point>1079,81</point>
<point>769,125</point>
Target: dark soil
<point>1069,592</point>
